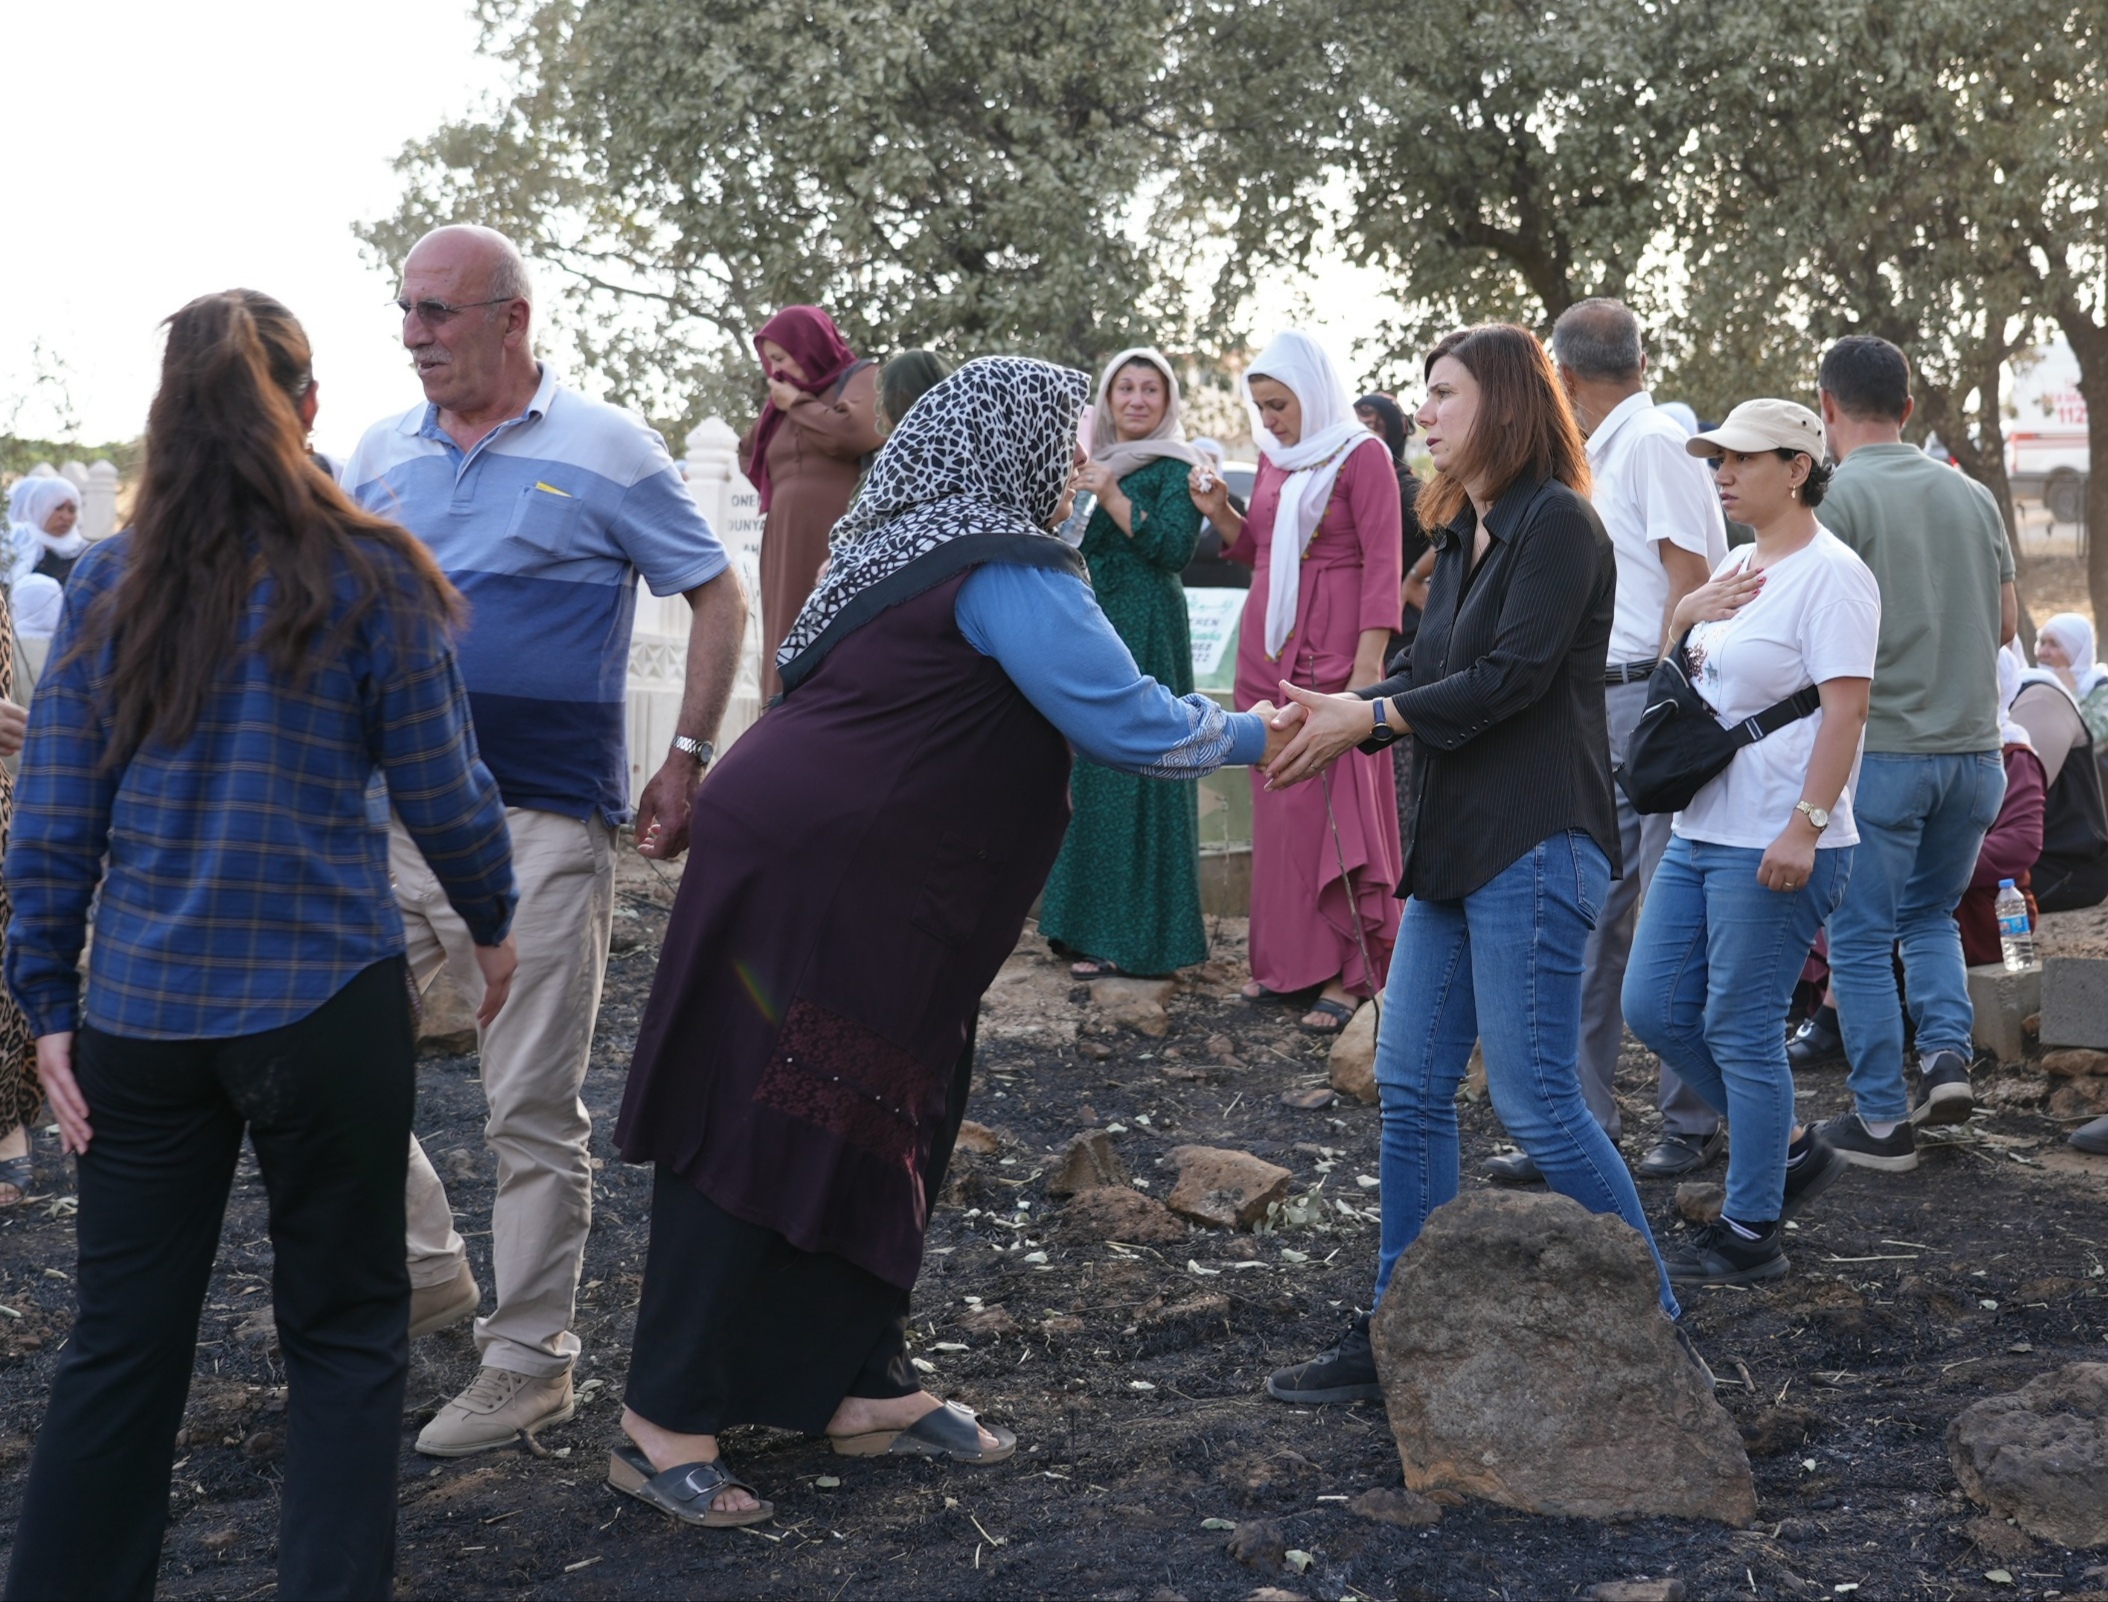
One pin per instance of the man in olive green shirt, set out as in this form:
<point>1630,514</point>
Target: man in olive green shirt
<point>1932,778</point>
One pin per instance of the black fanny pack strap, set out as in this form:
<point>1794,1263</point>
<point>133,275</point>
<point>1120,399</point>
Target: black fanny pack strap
<point>1776,716</point>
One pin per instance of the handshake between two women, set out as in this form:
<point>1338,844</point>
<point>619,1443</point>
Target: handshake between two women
<point>1310,730</point>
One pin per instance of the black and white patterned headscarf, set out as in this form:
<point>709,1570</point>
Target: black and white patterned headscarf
<point>975,470</point>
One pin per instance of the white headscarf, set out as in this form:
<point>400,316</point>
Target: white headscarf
<point>38,601</point>
<point>1168,438</point>
<point>31,502</point>
<point>1330,430</point>
<point>2012,674</point>
<point>2075,635</point>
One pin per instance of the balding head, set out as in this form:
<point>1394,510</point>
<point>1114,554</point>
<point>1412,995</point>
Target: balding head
<point>484,260</point>
<point>470,325</point>
<point>1599,340</point>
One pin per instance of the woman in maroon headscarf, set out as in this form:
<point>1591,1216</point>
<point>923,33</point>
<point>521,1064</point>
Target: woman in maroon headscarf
<point>803,455</point>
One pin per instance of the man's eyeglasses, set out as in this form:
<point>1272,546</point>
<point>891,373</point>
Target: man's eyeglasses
<point>437,313</point>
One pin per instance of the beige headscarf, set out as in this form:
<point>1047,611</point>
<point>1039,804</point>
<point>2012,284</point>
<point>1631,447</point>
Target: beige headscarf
<point>1124,456</point>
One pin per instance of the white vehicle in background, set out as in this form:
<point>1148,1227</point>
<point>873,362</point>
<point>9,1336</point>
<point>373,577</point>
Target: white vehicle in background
<point>2046,452</point>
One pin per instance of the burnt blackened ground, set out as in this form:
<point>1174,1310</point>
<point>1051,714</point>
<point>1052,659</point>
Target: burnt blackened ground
<point>1132,1375</point>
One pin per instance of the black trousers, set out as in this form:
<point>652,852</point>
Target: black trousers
<point>327,1103</point>
<point>738,1326</point>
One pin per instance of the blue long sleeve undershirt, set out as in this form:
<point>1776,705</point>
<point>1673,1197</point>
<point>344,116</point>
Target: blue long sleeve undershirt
<point>1052,638</point>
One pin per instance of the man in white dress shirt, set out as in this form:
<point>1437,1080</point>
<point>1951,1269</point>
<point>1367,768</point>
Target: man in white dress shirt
<point>1663,515</point>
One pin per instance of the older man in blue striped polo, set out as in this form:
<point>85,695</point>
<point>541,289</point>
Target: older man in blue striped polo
<point>543,507</point>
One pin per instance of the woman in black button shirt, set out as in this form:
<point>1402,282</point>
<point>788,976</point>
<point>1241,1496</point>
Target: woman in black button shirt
<point>1514,836</point>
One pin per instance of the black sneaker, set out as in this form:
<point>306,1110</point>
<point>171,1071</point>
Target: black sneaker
<point>1512,1168</point>
<point>1813,1046</point>
<point>1719,1254</point>
<point>1895,1154</point>
<point>1820,1167</point>
<point>1347,1373</point>
<point>1944,1096</point>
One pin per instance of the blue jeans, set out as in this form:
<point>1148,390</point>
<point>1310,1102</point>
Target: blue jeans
<point>1921,821</point>
<point>1502,966</point>
<point>1709,987</point>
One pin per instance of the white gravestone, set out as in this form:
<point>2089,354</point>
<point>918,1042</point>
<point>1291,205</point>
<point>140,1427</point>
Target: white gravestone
<point>99,502</point>
<point>658,653</point>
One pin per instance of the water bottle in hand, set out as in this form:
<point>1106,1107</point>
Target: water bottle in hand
<point>2014,936</point>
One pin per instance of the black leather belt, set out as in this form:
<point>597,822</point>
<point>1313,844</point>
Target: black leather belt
<point>1630,673</point>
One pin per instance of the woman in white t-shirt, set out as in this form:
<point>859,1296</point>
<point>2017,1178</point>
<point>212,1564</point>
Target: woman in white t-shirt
<point>1760,857</point>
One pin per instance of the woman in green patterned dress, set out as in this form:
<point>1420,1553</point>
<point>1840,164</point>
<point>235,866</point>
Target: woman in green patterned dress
<point>1125,892</point>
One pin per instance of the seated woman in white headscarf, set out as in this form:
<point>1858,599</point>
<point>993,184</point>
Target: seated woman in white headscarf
<point>45,537</point>
<point>2065,646</point>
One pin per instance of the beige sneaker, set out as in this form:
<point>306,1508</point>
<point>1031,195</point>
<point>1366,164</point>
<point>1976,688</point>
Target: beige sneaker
<point>496,1410</point>
<point>435,1306</point>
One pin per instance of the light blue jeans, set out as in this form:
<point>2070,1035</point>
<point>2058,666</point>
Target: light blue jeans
<point>1708,989</point>
<point>1921,822</point>
<point>1503,967</point>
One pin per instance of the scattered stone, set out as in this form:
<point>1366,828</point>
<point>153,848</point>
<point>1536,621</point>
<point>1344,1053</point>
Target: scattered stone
<point>1061,1324</point>
<point>263,1446</point>
<point>1475,1074</point>
<point>2079,1098</point>
<point>1221,1047</point>
<point>978,1139</point>
<point>1997,1539</point>
<point>1669,1590</point>
<point>1770,1431</point>
<point>1310,1098</point>
<point>1096,1050</point>
<point>2075,1002</point>
<point>1225,1189</point>
<point>2076,1064</point>
<point>1699,1201</point>
<point>220,1540</point>
<point>1086,1162</point>
<point>1798,1530</point>
<point>1394,1504</point>
<point>1113,1212</point>
<point>446,1023</point>
<point>1259,1544</point>
<point>1184,1074</point>
<point>460,1164</point>
<point>2039,1456</point>
<point>1136,1004</point>
<point>1524,1360</point>
<point>1194,1309</point>
<point>995,1321</point>
<point>1353,1057</point>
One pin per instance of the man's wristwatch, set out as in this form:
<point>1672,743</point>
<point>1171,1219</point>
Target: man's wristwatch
<point>1819,816</point>
<point>701,750</point>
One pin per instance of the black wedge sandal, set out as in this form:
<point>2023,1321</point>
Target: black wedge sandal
<point>685,1491</point>
<point>950,1432</point>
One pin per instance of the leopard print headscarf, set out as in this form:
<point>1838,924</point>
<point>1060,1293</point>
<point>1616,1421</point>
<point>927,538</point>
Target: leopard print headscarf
<point>983,456</point>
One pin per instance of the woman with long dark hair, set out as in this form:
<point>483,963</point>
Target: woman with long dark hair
<point>1514,836</point>
<point>233,677</point>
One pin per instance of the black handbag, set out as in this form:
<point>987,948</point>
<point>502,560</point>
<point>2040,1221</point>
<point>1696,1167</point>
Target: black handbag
<point>1678,746</point>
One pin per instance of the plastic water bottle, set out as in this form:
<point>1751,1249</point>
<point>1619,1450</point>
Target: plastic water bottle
<point>2014,935</point>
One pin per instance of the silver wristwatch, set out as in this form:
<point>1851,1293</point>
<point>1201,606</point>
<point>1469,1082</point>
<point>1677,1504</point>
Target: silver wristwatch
<point>701,750</point>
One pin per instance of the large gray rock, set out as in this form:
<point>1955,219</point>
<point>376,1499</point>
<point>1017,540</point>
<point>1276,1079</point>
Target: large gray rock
<point>2039,1456</point>
<point>1525,1360</point>
<point>1086,1162</point>
<point>1136,1004</point>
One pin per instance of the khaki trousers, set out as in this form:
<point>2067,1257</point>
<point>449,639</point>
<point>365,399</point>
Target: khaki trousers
<point>534,1058</point>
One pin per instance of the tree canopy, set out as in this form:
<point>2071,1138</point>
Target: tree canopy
<point>1071,179</point>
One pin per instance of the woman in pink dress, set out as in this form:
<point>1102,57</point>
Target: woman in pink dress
<point>1322,538</point>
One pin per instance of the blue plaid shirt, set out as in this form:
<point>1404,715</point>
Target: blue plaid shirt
<point>243,875</point>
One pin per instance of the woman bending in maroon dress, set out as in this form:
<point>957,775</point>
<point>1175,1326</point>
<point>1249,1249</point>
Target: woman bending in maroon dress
<point>869,852</point>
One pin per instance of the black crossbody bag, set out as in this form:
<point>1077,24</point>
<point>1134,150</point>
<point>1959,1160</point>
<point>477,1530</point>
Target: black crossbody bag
<point>1678,746</point>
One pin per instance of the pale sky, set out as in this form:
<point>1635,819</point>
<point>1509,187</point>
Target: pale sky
<point>166,150</point>
<point>224,143</point>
